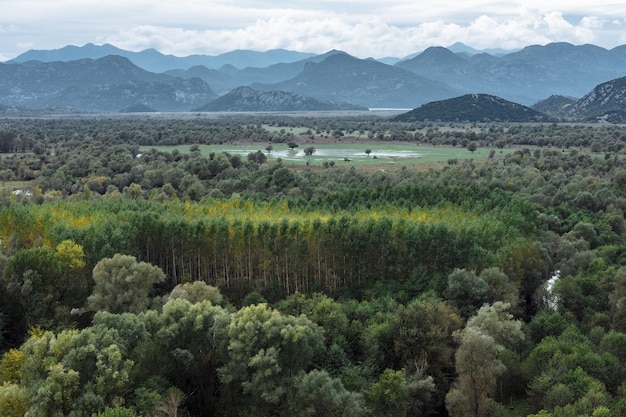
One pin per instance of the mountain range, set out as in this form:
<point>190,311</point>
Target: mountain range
<point>79,78</point>
<point>155,61</point>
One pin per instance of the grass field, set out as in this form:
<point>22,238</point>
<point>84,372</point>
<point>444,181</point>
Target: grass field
<point>345,153</point>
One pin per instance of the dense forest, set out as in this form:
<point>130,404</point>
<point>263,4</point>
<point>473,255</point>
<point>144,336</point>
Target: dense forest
<point>138,281</point>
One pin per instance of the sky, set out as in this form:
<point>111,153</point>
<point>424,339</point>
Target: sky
<point>363,28</point>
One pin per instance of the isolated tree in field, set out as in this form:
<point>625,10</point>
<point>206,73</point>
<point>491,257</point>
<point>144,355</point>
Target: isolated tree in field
<point>292,145</point>
<point>368,152</point>
<point>123,285</point>
<point>309,150</point>
<point>269,148</point>
<point>472,147</point>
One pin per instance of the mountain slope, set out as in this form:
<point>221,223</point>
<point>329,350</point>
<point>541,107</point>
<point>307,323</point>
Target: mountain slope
<point>344,78</point>
<point>247,99</point>
<point>556,106</point>
<point>606,102</point>
<point>228,77</point>
<point>105,84</point>
<point>472,108</point>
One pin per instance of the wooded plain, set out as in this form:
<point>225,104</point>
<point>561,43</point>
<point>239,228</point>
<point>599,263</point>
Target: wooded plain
<point>158,266</point>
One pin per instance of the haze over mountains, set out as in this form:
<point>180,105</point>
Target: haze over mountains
<point>107,79</point>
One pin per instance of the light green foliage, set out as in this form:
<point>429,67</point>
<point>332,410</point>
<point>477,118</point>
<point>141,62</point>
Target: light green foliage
<point>541,413</point>
<point>601,412</point>
<point>321,309</point>
<point>496,322</point>
<point>10,366</point>
<point>71,254</point>
<point>401,393</point>
<point>457,403</point>
<point>317,394</point>
<point>390,395</point>
<point>478,361</point>
<point>13,400</point>
<point>196,291</point>
<point>115,412</point>
<point>187,340</point>
<point>266,349</point>
<point>123,285</point>
<point>478,367</point>
<point>74,373</point>
<point>572,361</point>
<point>574,391</point>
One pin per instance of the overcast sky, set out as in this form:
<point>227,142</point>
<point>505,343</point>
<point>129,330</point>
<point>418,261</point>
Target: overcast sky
<point>364,28</point>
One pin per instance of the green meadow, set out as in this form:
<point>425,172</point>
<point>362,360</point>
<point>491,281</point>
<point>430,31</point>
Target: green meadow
<point>344,153</point>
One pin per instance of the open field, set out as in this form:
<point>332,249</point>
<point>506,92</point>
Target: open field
<point>345,153</point>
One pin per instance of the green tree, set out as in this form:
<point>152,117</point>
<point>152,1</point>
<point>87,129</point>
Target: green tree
<point>478,358</point>
<point>390,395</point>
<point>196,291</point>
<point>115,412</point>
<point>32,278</point>
<point>74,373</point>
<point>186,349</point>
<point>266,350</point>
<point>13,400</point>
<point>466,291</point>
<point>317,394</point>
<point>123,285</point>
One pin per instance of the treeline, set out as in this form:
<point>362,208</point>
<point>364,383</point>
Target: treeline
<point>45,134</point>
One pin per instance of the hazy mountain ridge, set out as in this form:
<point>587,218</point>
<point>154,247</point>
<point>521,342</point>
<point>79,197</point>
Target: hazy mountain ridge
<point>246,99</point>
<point>155,61</point>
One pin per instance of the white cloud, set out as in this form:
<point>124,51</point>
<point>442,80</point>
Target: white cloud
<point>370,37</point>
<point>361,27</point>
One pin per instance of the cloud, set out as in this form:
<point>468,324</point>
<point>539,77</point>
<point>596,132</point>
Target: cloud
<point>361,27</point>
<point>368,37</point>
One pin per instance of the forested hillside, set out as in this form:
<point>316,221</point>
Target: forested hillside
<point>162,282</point>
